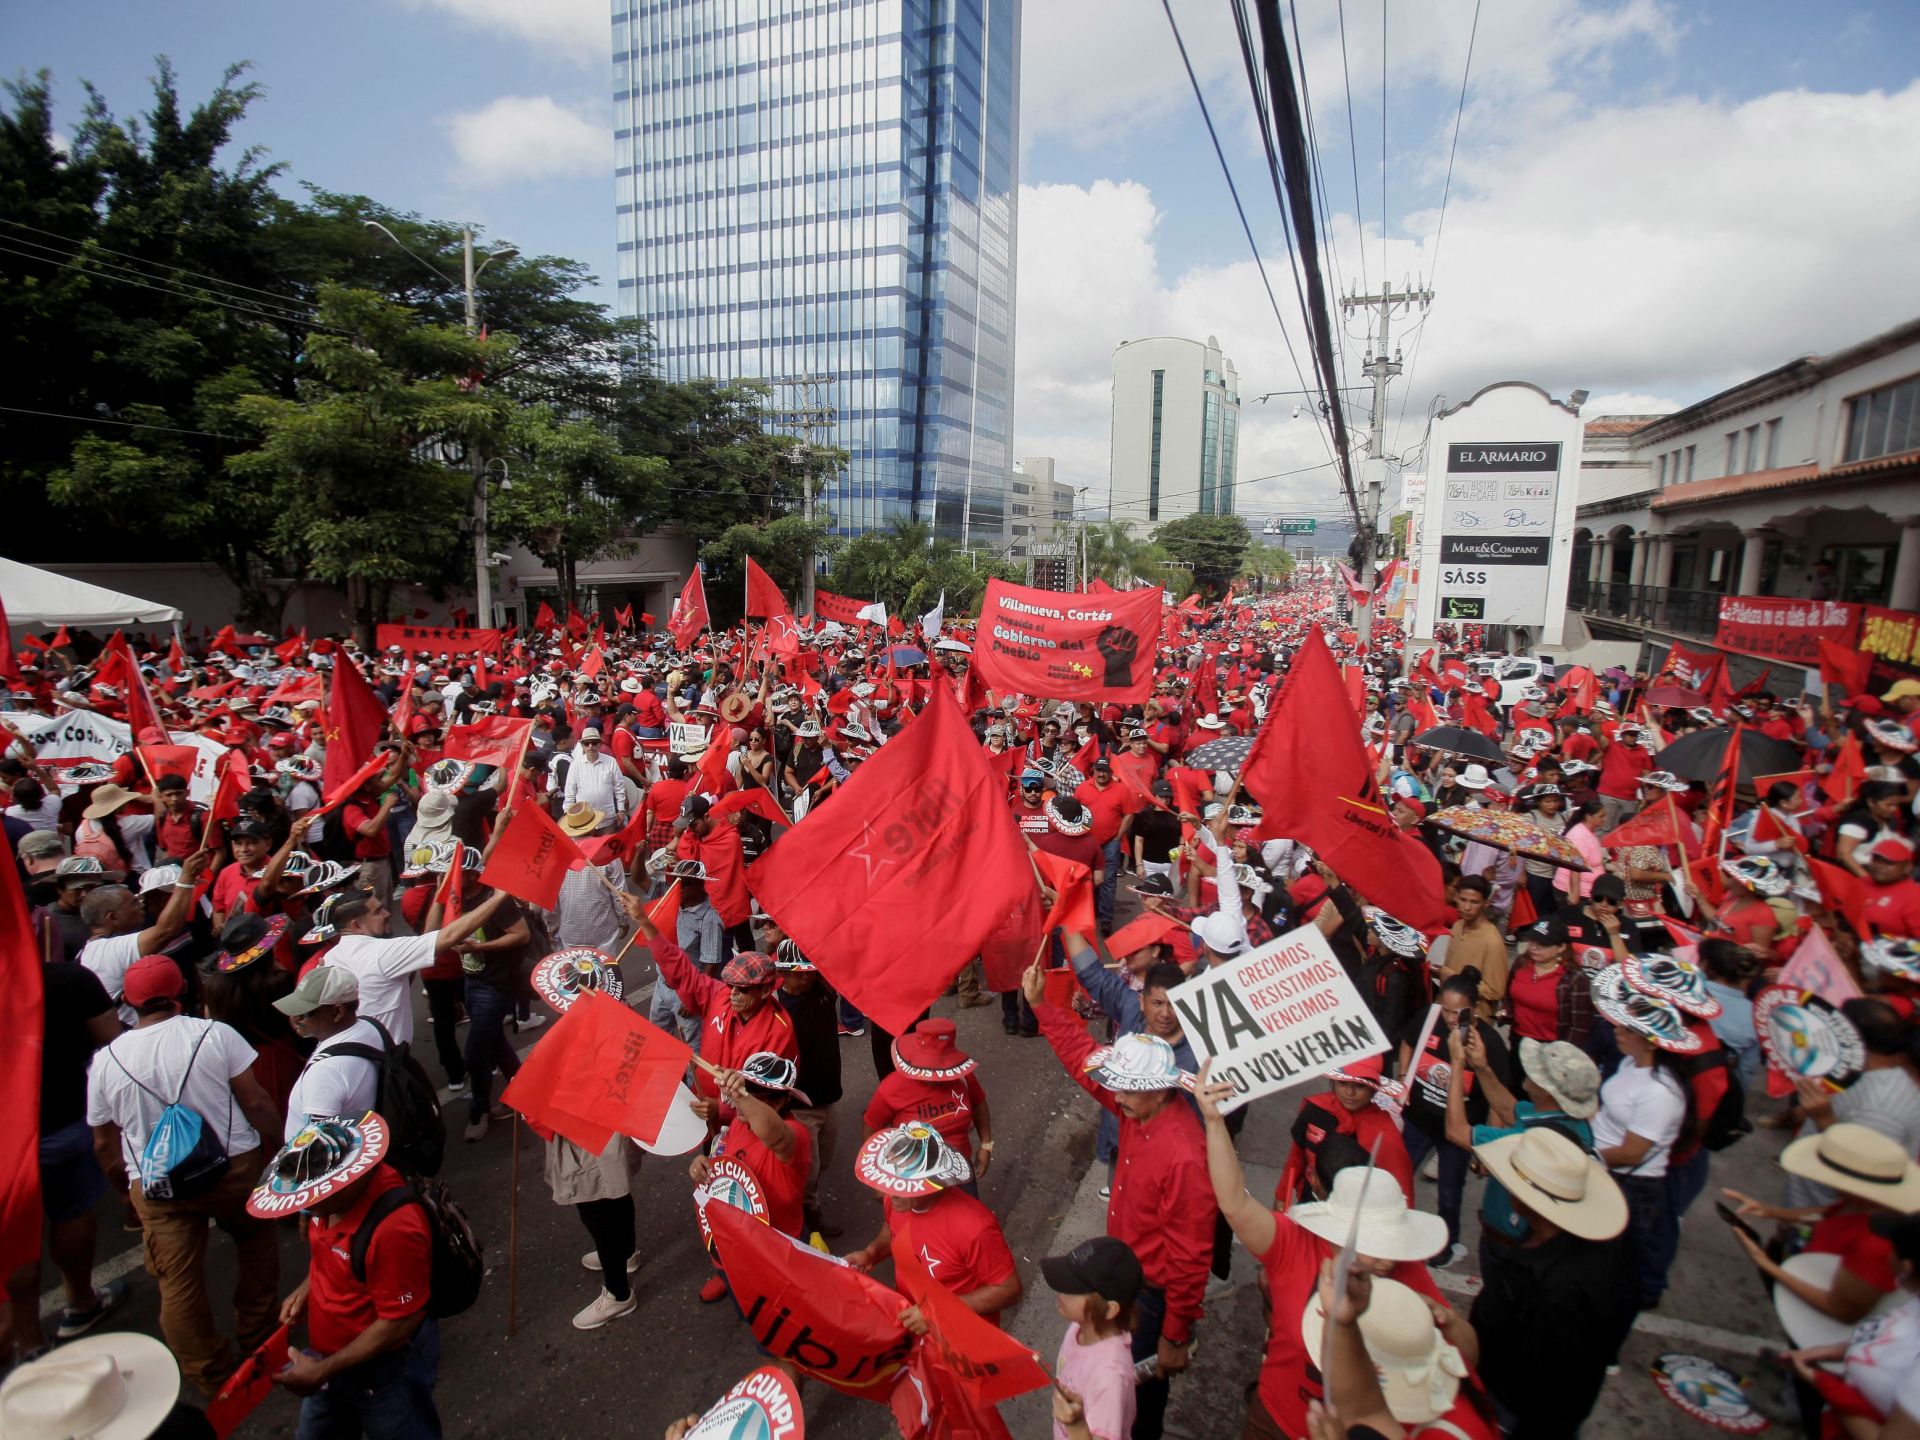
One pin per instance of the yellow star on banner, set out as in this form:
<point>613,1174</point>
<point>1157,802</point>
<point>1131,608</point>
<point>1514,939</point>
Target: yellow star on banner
<point>1082,669</point>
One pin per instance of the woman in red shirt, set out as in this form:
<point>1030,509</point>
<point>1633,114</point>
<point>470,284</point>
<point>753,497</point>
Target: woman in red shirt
<point>1547,993</point>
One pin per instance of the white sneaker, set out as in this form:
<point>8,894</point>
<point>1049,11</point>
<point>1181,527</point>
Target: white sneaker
<point>1430,1169</point>
<point>460,1087</point>
<point>591,1261</point>
<point>603,1309</point>
<point>533,1021</point>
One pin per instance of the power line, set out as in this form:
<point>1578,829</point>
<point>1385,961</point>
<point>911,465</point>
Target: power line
<point>1440,225</point>
<point>129,424</point>
<point>179,290</point>
<point>93,244</point>
<point>1353,147</point>
<point>1383,142</point>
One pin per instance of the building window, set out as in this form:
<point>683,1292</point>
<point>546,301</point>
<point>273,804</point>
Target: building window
<point>1688,469</point>
<point>1753,447</point>
<point>1733,452</point>
<point>1660,473</point>
<point>1884,421</point>
<point>1863,574</point>
<point>1772,445</point>
<point>1153,463</point>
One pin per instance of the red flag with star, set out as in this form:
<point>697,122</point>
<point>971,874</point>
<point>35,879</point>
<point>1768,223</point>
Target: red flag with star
<point>922,829</point>
<point>531,859</point>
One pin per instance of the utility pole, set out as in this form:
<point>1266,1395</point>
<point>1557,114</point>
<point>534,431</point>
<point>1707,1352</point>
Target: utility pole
<point>1380,367</point>
<point>813,415</point>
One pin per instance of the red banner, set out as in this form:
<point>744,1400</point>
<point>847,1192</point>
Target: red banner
<point>438,640</point>
<point>837,608</point>
<point>1068,647</point>
<point>1780,628</point>
<point>22,1003</point>
<point>1892,635</point>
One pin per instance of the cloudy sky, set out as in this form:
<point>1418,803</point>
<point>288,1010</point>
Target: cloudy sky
<point>1649,200</point>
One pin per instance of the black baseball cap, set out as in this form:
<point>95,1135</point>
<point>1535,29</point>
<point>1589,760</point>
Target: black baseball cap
<point>249,829</point>
<point>1100,1266</point>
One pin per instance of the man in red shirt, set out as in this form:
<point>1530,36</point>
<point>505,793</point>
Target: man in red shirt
<point>934,1083</point>
<point>766,1139</point>
<point>1162,1201</point>
<point>1891,896</point>
<point>1138,759</point>
<point>1112,806</point>
<point>715,843</point>
<point>663,802</point>
<point>1624,758</point>
<point>373,1352</point>
<point>957,1239</point>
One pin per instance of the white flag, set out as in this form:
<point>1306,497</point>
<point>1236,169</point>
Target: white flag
<point>875,614</point>
<point>931,622</point>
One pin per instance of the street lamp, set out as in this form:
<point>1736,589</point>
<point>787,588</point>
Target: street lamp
<point>482,574</point>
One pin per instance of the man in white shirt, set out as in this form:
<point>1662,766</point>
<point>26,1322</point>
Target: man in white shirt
<point>382,966</point>
<point>121,934</point>
<point>173,1058</point>
<point>325,1007</point>
<point>594,779</point>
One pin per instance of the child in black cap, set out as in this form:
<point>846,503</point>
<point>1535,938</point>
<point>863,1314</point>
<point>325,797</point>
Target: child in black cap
<point>1096,1283</point>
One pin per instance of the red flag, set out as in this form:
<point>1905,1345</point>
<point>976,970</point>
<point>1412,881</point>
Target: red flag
<point>224,640</point>
<point>355,722</point>
<point>1849,771</point>
<point>612,1072</point>
<point>764,599</point>
<point>1717,817</point>
<point>576,624</point>
<point>532,857</point>
<point>623,616</point>
<point>544,618</point>
<point>23,1021</point>
<point>243,1391</point>
<point>1206,686</point>
<point>1524,911</point>
<point>920,830</point>
<point>1421,708</point>
<point>176,657</point>
<point>1072,886</point>
<point>1849,669</point>
<point>1138,933</point>
<point>338,795</point>
<point>1188,786</point>
<point>756,799</point>
<point>1755,685</point>
<point>929,1402</point>
<point>160,760</point>
<point>596,662</point>
<point>447,894</point>
<point>1690,669</point>
<point>1720,691</point>
<point>1316,786</point>
<point>61,640</point>
<point>689,615</point>
<point>711,767</point>
<point>227,790</point>
<point>491,740</point>
<point>290,648</point>
<point>402,716</point>
<point>117,667</point>
<point>810,1310</point>
<point>462,617</point>
<point>1768,826</point>
<point>1652,827</point>
<point>1841,892</point>
<point>620,846</point>
<point>1475,715</point>
<point>990,1364</point>
<point>1356,592</point>
<point>9,662</point>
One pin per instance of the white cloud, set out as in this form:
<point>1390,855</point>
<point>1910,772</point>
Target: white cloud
<point>576,30</point>
<point>1648,253</point>
<point>528,137</point>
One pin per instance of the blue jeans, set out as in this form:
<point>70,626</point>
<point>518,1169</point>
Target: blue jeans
<point>1103,897</point>
<point>388,1398</point>
<point>1150,1396</point>
<point>1684,1184</point>
<point>1453,1175</point>
<point>1656,1233</point>
<point>487,1047</point>
<point>850,1017</point>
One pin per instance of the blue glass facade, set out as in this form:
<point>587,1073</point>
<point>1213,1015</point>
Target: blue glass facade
<point>829,188</point>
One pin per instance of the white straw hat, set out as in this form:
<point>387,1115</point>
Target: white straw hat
<point>1557,1180</point>
<point>1420,1373</point>
<point>117,1386</point>
<point>1388,1229</point>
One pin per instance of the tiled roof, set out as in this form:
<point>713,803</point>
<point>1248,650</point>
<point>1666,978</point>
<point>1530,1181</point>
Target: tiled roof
<point>1619,424</point>
<point>1880,465</point>
<point>1721,487</point>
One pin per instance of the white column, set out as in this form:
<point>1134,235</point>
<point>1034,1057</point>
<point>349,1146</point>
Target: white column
<point>1905,594</point>
<point>1605,576</point>
<point>1593,560</point>
<point>1637,567</point>
<point>1661,574</point>
<point>1752,556</point>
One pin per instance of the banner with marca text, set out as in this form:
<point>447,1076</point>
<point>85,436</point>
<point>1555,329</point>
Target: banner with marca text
<point>1782,628</point>
<point>1068,646</point>
<point>438,639</point>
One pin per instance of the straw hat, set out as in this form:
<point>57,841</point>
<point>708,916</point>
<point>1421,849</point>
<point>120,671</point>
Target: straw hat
<point>1138,1063</point>
<point>1388,1229</point>
<point>1564,1071</point>
<point>581,819</point>
<point>909,1160</point>
<point>1557,1180</point>
<point>106,800</point>
<point>928,1052</point>
<point>117,1386</point>
<point>1859,1161</point>
<point>1420,1373</point>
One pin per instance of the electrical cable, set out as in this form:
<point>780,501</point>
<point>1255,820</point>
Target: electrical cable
<point>1353,157</point>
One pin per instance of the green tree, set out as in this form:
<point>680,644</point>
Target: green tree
<point>1214,545</point>
<point>1115,554</point>
<point>778,546</point>
<point>358,463</point>
<point>908,567</point>
<point>1269,564</point>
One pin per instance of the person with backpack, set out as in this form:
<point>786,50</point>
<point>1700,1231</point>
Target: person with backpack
<point>372,1351</point>
<point>174,1106</point>
<point>340,1077</point>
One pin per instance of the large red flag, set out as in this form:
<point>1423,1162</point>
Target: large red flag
<point>1072,886</point>
<point>810,1310</point>
<point>1848,772</point>
<point>23,1022</point>
<point>117,667</point>
<point>921,830</point>
<point>764,599</point>
<point>1849,669</point>
<point>1314,783</point>
<point>689,615</point>
<point>543,618</point>
<point>158,760</point>
<point>531,858</point>
<point>355,721</point>
<point>338,795</point>
<point>605,1070</point>
<point>990,1364</point>
<point>491,740</point>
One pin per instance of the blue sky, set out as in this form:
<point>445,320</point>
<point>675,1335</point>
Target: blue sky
<point>1650,199</point>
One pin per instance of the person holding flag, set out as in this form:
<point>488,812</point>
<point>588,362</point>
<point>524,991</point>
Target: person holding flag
<point>764,1137</point>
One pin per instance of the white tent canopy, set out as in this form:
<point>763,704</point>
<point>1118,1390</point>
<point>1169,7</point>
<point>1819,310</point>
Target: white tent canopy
<point>36,598</point>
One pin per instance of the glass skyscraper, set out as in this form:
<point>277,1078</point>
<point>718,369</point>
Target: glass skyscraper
<point>821,194</point>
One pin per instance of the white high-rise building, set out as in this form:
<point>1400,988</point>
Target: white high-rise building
<point>1176,431</point>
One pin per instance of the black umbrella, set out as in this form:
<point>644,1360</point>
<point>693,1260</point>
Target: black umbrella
<point>1460,740</point>
<point>1699,755</point>
<point>1228,753</point>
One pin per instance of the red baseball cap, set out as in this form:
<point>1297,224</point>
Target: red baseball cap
<point>152,977</point>
<point>1891,849</point>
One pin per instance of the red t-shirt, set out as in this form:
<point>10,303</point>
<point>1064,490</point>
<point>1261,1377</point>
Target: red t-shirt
<point>1082,848</point>
<point>947,1105</point>
<point>1861,1252</point>
<point>376,846</point>
<point>399,1268</point>
<point>1292,1264</point>
<point>1893,909</point>
<point>1109,807</point>
<point>648,711</point>
<point>959,1241</point>
<point>229,885</point>
<point>1620,771</point>
<point>784,1181</point>
<point>1536,1002</point>
<point>1579,747</point>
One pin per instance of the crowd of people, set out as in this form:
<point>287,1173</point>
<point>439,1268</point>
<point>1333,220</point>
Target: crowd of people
<point>231,1017</point>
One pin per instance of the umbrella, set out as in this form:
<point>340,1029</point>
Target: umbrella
<point>1700,755</point>
<point>1504,830</point>
<point>1619,676</point>
<point>904,655</point>
<point>1228,753</point>
<point>1460,740</point>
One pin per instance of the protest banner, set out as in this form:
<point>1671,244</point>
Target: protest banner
<point>1068,646</point>
<point>1783,628</point>
<point>686,738</point>
<point>440,640</point>
<point>838,608</point>
<point>1277,1016</point>
<point>81,737</point>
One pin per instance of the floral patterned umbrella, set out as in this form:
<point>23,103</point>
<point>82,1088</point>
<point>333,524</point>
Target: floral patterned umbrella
<point>1504,830</point>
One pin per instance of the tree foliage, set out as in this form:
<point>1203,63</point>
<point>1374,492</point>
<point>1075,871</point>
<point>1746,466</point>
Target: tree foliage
<point>1214,545</point>
<point>909,568</point>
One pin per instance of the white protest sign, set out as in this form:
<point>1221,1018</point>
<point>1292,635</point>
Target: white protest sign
<point>686,739</point>
<point>82,737</point>
<point>1276,1016</point>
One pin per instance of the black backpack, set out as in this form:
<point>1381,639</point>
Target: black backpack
<point>335,843</point>
<point>458,1264</point>
<point>1728,1122</point>
<point>408,1102</point>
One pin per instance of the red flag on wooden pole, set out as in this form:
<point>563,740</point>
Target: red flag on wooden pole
<point>606,1070</point>
<point>531,858</point>
<point>355,722</point>
<point>989,1364</point>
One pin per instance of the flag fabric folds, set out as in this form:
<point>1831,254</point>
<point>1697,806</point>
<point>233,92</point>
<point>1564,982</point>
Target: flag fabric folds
<point>355,721</point>
<point>604,1070</point>
<point>532,857</point>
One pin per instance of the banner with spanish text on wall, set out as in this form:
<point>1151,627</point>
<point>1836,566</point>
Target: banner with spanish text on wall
<point>439,639</point>
<point>1777,627</point>
<point>1065,646</point>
